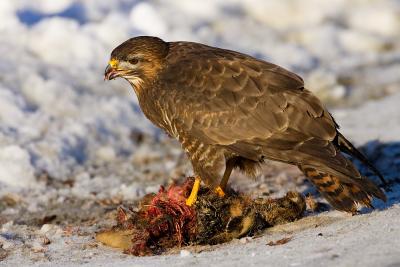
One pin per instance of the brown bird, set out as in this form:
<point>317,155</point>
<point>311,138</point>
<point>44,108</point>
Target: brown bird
<point>230,110</point>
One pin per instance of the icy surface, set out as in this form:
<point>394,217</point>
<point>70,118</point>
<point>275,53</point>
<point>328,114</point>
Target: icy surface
<point>72,145</point>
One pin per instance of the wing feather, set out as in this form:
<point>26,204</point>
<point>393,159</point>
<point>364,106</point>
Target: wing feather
<point>251,107</point>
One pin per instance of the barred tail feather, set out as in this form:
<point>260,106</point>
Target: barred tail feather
<point>342,195</point>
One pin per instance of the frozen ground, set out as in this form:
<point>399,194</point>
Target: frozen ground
<point>73,147</point>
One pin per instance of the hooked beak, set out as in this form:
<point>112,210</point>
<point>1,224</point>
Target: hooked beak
<point>111,71</point>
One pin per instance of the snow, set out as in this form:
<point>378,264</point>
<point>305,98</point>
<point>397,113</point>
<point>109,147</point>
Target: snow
<point>15,167</point>
<point>70,142</point>
<point>185,253</point>
<point>142,14</point>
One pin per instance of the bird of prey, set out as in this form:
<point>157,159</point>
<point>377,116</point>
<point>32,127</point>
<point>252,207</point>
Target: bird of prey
<point>230,110</point>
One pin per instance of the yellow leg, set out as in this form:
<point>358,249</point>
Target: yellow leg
<point>220,190</point>
<point>195,189</point>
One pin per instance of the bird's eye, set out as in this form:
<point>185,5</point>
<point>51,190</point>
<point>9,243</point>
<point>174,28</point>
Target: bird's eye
<point>134,61</point>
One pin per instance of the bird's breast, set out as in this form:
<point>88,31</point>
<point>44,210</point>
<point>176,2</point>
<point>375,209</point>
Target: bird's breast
<point>168,123</point>
<point>161,114</point>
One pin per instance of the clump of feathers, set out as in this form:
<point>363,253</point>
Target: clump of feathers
<point>163,220</point>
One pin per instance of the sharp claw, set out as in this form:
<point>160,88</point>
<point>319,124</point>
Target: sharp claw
<point>219,191</point>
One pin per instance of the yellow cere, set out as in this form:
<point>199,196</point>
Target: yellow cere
<point>113,62</point>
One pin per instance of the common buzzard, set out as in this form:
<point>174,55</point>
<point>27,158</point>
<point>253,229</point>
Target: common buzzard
<point>230,110</point>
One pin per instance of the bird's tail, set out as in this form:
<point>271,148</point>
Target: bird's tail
<point>347,147</point>
<point>343,195</point>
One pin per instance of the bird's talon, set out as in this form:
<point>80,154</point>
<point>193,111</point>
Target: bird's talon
<point>219,191</point>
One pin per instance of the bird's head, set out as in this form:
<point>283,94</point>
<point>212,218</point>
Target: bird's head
<point>137,60</point>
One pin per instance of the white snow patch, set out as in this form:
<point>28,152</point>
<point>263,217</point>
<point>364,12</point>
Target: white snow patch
<point>15,167</point>
<point>185,253</point>
<point>144,17</point>
<point>106,153</point>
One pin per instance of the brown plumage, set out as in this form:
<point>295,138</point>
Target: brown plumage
<point>230,110</point>
<point>343,195</point>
